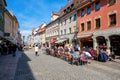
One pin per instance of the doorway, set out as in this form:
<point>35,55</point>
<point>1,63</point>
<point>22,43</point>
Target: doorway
<point>115,44</point>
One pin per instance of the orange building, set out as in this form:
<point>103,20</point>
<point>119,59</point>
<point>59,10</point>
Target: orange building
<point>99,23</point>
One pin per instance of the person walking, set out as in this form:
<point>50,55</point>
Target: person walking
<point>36,50</point>
<point>13,49</point>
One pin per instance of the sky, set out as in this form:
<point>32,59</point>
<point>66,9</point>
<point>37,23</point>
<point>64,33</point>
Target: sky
<point>32,13</point>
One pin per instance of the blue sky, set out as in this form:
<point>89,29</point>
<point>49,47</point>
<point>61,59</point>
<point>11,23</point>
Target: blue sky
<point>31,13</point>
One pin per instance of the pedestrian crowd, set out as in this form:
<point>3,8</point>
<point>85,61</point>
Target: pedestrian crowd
<point>75,55</point>
<point>6,49</point>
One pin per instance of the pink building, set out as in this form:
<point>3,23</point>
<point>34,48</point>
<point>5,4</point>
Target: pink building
<point>99,23</point>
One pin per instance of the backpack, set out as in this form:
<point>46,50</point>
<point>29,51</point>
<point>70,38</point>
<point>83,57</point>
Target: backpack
<point>103,57</point>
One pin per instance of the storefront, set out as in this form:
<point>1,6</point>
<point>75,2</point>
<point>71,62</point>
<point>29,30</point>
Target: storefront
<point>50,41</point>
<point>109,38</point>
<point>115,44</point>
<point>85,40</point>
<point>63,42</point>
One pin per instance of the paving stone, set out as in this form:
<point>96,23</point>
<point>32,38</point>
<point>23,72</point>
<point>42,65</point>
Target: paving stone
<point>8,66</point>
<point>46,67</point>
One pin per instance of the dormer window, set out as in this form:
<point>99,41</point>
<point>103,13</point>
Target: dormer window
<point>89,10</point>
<point>97,6</point>
<point>82,12</point>
<point>65,11</point>
<point>68,9</point>
<point>72,6</point>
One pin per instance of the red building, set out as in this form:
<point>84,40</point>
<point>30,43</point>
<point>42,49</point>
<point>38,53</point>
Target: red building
<point>99,23</point>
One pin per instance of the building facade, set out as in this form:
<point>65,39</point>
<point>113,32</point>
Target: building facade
<point>15,29</point>
<point>62,28</point>
<point>36,38</point>
<point>68,23</point>
<point>30,40</point>
<point>99,24</point>
<point>19,39</point>
<point>2,8</point>
<point>8,27</point>
<point>52,30</point>
<point>42,34</point>
<point>11,27</point>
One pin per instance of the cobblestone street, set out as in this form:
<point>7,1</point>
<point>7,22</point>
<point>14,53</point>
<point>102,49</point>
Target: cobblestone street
<point>46,67</point>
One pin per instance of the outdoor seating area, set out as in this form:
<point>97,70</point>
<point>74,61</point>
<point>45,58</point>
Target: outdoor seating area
<point>82,57</point>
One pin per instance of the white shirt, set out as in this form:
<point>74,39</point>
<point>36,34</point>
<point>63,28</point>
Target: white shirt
<point>36,48</point>
<point>108,52</point>
<point>88,54</point>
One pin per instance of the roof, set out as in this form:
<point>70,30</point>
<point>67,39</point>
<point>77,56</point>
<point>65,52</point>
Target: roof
<point>61,13</point>
<point>41,28</point>
<point>56,13</point>
<point>84,3</point>
<point>4,2</point>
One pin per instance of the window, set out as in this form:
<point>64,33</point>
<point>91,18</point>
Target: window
<point>70,19</point>
<point>72,6</point>
<point>112,20</point>
<point>97,21</point>
<point>61,23</point>
<point>75,17</point>
<point>82,27</point>
<point>61,32</point>
<point>64,31</point>
<point>111,2</point>
<point>70,30</point>
<point>89,10</point>
<point>97,6</point>
<point>68,9</point>
<point>82,12</point>
<point>65,11</point>
<point>89,25</point>
<point>74,28</point>
<point>65,21</point>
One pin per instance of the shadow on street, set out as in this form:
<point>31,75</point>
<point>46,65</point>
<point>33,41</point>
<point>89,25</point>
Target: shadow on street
<point>23,71</point>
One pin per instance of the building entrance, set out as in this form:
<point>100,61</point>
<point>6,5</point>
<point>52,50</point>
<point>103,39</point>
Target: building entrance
<point>87,42</point>
<point>101,40</point>
<point>115,44</point>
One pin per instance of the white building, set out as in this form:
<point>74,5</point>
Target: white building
<point>41,34</point>
<point>30,40</point>
<point>35,36</point>
<point>68,23</point>
<point>52,29</point>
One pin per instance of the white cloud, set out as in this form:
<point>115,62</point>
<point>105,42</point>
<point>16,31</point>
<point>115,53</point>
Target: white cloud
<point>27,22</point>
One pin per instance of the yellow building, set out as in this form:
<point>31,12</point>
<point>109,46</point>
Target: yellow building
<point>8,25</point>
<point>2,7</point>
<point>15,29</point>
<point>11,26</point>
<point>19,39</point>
